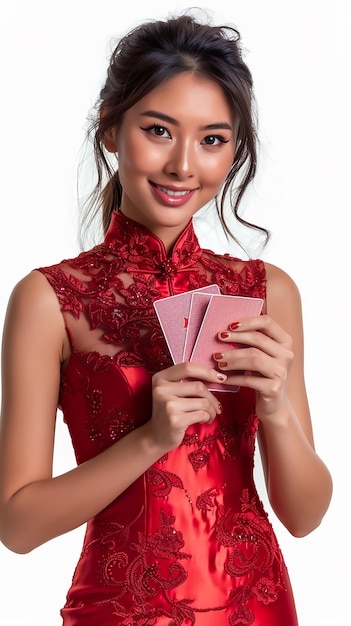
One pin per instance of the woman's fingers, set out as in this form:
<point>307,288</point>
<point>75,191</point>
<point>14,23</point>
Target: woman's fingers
<point>261,332</point>
<point>253,360</point>
<point>267,386</point>
<point>187,380</point>
<point>181,388</point>
<point>262,360</point>
<point>181,398</point>
<point>184,371</point>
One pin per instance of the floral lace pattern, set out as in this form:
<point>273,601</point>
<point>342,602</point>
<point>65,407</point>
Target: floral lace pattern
<point>115,284</point>
<point>155,566</point>
<point>195,514</point>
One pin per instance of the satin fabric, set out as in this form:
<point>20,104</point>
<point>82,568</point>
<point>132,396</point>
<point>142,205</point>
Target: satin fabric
<point>188,542</point>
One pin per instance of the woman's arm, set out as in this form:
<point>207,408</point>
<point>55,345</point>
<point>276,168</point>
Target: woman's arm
<point>299,484</point>
<point>34,506</point>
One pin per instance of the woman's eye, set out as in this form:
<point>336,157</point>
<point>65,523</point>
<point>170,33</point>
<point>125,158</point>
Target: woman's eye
<point>160,131</point>
<point>157,131</point>
<point>214,140</point>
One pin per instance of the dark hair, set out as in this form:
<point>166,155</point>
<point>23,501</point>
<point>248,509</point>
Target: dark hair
<point>147,56</point>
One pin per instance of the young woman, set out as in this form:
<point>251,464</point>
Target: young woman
<point>176,532</point>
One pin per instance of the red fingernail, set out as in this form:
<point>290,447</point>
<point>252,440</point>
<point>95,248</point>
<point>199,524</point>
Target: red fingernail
<point>222,364</point>
<point>218,355</point>
<point>234,325</point>
<point>224,335</point>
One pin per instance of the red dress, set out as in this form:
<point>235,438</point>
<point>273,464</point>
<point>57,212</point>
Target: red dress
<point>188,542</point>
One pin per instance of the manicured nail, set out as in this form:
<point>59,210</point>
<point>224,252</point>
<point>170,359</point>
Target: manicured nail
<point>218,356</point>
<point>224,335</point>
<point>223,364</point>
<point>221,377</point>
<point>234,325</point>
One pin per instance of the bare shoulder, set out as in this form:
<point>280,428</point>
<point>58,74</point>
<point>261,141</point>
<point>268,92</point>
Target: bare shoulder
<point>34,308</point>
<point>35,287</point>
<point>35,294</point>
<point>282,291</point>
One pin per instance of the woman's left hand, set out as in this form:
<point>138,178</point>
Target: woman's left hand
<point>258,355</point>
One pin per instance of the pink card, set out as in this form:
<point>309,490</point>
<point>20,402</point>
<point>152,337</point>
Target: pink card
<point>198,306</point>
<point>173,315</point>
<point>221,311</point>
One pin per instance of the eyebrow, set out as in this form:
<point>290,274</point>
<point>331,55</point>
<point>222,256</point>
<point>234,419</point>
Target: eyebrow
<point>171,120</point>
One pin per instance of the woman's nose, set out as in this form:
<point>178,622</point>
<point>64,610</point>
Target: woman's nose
<point>181,161</point>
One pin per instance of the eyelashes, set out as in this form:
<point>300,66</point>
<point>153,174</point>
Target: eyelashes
<point>214,139</point>
<point>160,131</point>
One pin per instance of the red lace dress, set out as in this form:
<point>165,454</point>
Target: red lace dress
<point>188,542</point>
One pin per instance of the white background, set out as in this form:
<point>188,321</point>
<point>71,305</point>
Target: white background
<point>53,59</point>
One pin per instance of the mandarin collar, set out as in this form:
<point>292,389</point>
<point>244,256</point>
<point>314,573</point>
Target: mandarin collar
<point>142,249</point>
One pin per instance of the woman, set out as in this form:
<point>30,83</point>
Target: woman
<point>176,533</point>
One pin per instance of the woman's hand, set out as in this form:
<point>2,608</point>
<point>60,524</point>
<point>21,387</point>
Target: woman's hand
<point>262,362</point>
<point>180,399</point>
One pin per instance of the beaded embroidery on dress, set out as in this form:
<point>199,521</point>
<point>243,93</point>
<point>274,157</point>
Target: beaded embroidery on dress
<point>189,542</point>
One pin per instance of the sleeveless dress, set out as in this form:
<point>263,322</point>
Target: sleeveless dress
<point>188,543</point>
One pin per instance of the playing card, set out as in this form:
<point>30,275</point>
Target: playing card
<point>198,306</point>
<point>173,315</point>
<point>221,311</point>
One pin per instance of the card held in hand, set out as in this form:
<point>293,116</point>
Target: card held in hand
<point>173,315</point>
<point>198,306</point>
<point>221,311</point>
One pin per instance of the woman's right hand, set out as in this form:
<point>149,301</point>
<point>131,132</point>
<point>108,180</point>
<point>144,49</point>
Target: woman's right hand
<point>181,398</point>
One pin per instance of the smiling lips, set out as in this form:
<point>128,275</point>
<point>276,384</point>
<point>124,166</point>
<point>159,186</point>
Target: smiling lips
<point>173,192</point>
<point>171,196</point>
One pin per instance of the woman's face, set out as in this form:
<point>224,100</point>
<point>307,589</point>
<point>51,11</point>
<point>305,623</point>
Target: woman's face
<point>175,148</point>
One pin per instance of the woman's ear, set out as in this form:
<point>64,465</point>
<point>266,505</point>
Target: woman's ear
<point>110,140</point>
